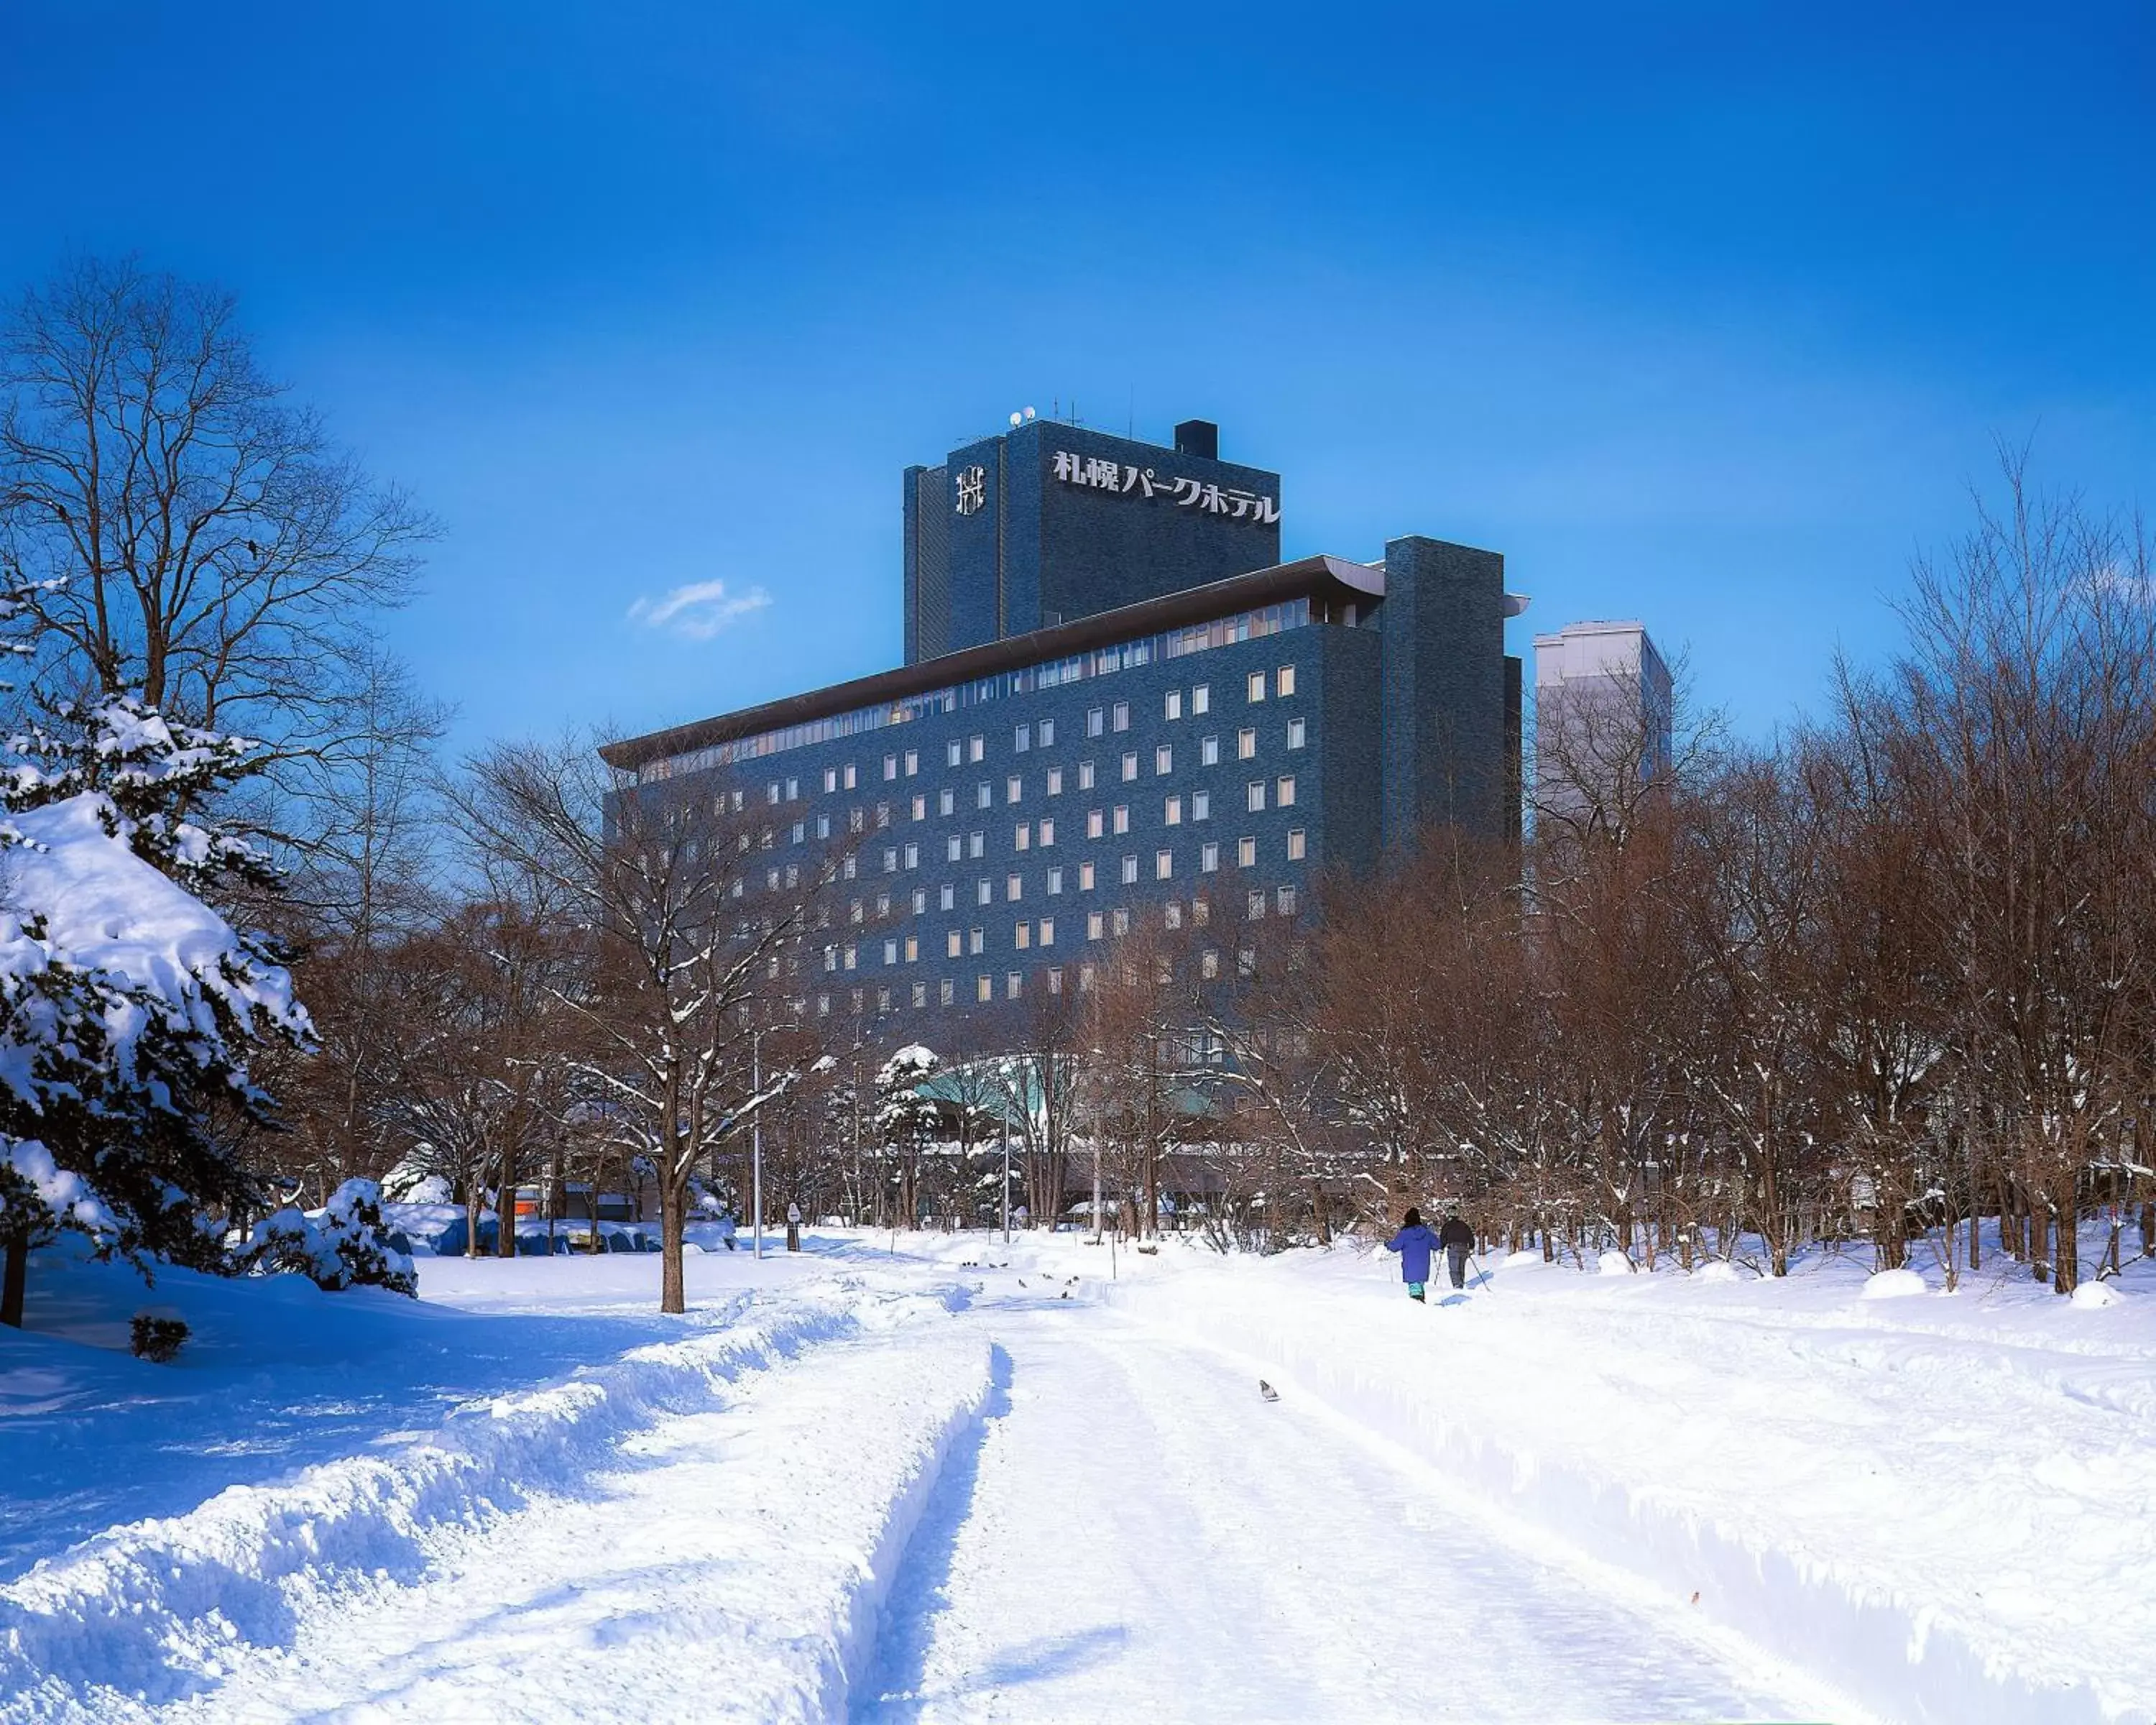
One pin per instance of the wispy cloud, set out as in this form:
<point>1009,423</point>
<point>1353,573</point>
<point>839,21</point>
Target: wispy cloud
<point>698,611</point>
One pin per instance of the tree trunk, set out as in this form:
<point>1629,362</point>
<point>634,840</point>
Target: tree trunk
<point>2066,1254</point>
<point>673,1216</point>
<point>504,1210</point>
<point>16,1281</point>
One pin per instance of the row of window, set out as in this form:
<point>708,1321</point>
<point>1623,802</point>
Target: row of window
<point>1040,931</point>
<point>985,989</point>
<point>1029,680</point>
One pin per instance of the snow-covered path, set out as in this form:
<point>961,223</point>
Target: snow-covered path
<point>1138,1534</point>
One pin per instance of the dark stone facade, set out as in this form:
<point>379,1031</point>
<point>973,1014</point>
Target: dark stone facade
<point>1038,550</point>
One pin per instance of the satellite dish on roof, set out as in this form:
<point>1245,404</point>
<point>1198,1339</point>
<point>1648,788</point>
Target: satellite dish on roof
<point>1029,413</point>
<point>1018,418</point>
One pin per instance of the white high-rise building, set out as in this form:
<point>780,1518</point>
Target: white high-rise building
<point>1603,713</point>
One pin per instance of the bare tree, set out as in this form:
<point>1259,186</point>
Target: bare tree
<point>196,539</point>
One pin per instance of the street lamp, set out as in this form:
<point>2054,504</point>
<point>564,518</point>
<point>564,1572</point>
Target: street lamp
<point>755,1132</point>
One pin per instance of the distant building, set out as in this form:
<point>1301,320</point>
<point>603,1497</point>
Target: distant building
<point>1603,716</point>
<point>1117,703</point>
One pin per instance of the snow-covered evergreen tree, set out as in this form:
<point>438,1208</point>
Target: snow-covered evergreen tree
<point>127,1004</point>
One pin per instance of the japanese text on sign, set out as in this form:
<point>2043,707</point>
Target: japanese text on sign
<point>1094,474</point>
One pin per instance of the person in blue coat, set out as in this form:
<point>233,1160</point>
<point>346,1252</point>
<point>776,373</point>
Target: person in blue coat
<point>1414,1243</point>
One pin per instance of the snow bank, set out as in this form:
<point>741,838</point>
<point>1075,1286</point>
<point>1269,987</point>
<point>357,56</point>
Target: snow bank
<point>1894,1285</point>
<point>157,1609</point>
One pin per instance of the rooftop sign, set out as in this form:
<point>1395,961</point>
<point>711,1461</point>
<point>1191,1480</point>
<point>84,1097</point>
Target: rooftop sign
<point>1093,473</point>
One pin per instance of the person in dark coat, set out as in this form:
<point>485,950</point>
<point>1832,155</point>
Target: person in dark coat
<point>1414,1243</point>
<point>1458,1239</point>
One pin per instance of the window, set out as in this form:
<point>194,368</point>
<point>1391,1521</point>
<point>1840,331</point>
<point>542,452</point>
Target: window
<point>976,844</point>
<point>823,826</point>
<point>830,778</point>
<point>891,859</point>
<point>1093,823</point>
<point>1284,681</point>
<point>1014,985</point>
<point>913,857</point>
<point>883,1000</point>
<point>1246,852</point>
<point>1013,887</point>
<point>1014,789</point>
<point>984,795</point>
<point>1055,781</point>
<point>953,846</point>
<point>1172,812</point>
<point>1055,881</point>
<point>1119,923</point>
<point>983,989</point>
<point>1022,837</point>
<point>1048,733</point>
<point>1048,930</point>
<point>1130,766</point>
<point>1201,700</point>
<point>1209,858</point>
<point>921,994</point>
<point>1055,979</point>
<point>770,792</point>
<point>852,779</point>
<point>1122,715</point>
<point>1164,866</point>
<point>1209,963</point>
<point>1257,906</point>
<point>1284,900</point>
<point>954,751</point>
<point>852,820</point>
<point>1085,775</point>
<point>1163,760</point>
<point>1208,752</point>
<point>947,897</point>
<point>1284,791</point>
<point>1294,844</point>
<point>920,901</point>
<point>946,801</point>
<point>1047,834</point>
<point>823,1006</point>
<point>882,814</point>
<point>976,748</point>
<point>912,948</point>
<point>1201,913</point>
<point>890,952</point>
<point>947,991</point>
<point>920,808</point>
<point>891,767</point>
<point>1023,936</point>
<point>1021,739</point>
<point>800,831</point>
<point>1093,721</point>
<point>1095,925</point>
<point>852,955</point>
<point>977,939</point>
<point>1296,733</point>
<point>1123,817</point>
<point>984,892</point>
<point>883,904</point>
<point>1084,877</point>
<point>1174,703</point>
<point>846,868</point>
<point>912,762</point>
<point>1129,871</point>
<point>1171,913</point>
<point>1247,745</point>
<point>1255,796</point>
<point>1085,979</point>
<point>1201,805</point>
<point>1257,685</point>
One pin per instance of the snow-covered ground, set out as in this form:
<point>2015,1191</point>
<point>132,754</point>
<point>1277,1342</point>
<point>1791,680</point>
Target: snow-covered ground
<point>963,1481</point>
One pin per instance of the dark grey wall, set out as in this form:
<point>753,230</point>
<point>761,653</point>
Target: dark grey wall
<point>1445,760</point>
<point>1043,551</point>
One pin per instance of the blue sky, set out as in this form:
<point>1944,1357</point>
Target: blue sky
<point>1705,314</point>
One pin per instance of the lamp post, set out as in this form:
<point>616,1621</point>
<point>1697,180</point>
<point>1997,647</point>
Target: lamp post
<point>1005,1118</point>
<point>756,1134</point>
